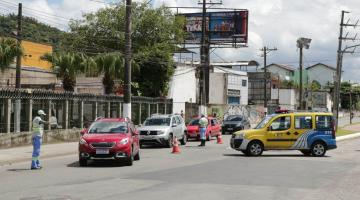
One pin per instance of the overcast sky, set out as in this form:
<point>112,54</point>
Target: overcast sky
<point>274,23</point>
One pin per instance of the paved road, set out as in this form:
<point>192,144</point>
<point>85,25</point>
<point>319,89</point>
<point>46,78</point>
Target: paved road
<point>213,172</point>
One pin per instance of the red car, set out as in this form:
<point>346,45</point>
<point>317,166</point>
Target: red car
<point>107,138</point>
<point>213,129</point>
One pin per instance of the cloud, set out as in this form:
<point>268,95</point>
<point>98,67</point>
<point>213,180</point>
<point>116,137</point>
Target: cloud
<point>278,23</point>
<point>275,23</point>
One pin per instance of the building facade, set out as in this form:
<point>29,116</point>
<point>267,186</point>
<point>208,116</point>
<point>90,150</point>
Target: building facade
<point>322,74</point>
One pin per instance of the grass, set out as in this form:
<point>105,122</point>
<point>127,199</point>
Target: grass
<point>341,132</point>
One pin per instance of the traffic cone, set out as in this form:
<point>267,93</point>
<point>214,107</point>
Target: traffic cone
<point>219,139</point>
<point>176,148</point>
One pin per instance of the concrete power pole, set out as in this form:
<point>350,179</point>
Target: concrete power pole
<point>302,43</point>
<point>340,54</point>
<point>17,116</point>
<point>265,51</point>
<point>127,85</point>
<point>205,58</point>
<point>18,57</point>
<point>337,81</point>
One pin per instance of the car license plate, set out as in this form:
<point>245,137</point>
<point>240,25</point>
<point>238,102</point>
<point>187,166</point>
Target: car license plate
<point>230,129</point>
<point>149,138</point>
<point>102,151</point>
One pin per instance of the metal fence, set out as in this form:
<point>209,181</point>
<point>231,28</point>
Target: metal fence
<point>68,110</point>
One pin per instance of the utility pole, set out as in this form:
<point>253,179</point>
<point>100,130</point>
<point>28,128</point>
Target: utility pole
<point>302,43</point>
<point>18,72</point>
<point>337,81</point>
<point>351,112</point>
<point>127,85</point>
<point>301,79</point>
<point>340,54</point>
<point>205,58</point>
<point>18,57</point>
<point>265,51</point>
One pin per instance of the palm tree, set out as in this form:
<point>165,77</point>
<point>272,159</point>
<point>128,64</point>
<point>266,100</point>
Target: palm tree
<point>9,49</point>
<point>67,65</point>
<point>111,65</point>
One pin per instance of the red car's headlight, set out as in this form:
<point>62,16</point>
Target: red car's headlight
<point>82,141</point>
<point>124,141</point>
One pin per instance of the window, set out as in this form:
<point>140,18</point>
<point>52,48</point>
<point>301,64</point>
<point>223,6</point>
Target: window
<point>102,127</point>
<point>324,122</point>
<point>178,121</point>
<point>212,122</point>
<point>157,122</point>
<point>233,100</point>
<point>281,124</point>
<point>263,122</point>
<point>215,121</point>
<point>244,83</point>
<point>303,122</point>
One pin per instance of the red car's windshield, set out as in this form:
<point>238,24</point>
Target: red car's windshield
<point>108,128</point>
<point>194,122</point>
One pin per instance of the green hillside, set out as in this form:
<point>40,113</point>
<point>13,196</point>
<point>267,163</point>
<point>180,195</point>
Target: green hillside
<point>33,30</point>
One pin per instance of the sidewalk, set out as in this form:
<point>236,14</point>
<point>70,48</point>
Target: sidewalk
<point>19,154</point>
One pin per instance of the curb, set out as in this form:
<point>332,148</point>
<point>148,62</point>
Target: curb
<point>14,161</point>
<point>347,137</point>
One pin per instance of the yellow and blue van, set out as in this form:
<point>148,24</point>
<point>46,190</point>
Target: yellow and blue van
<point>312,133</point>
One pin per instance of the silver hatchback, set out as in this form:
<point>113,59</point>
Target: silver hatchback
<point>162,129</point>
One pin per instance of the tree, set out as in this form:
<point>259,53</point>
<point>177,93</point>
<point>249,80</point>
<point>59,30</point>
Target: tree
<point>67,66</point>
<point>155,71</point>
<point>9,49</point>
<point>346,89</point>
<point>155,33</point>
<point>315,86</point>
<point>112,66</point>
<point>33,30</point>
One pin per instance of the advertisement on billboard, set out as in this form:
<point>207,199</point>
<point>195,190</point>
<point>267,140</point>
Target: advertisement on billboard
<point>223,27</point>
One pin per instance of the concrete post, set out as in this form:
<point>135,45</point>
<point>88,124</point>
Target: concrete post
<point>29,114</point>
<point>119,110</point>
<point>17,116</point>
<point>81,114</point>
<point>140,113</point>
<point>149,110</point>
<point>165,109</point>
<point>48,114</point>
<point>157,107</point>
<point>8,115</point>
<point>108,109</point>
<point>95,110</point>
<point>66,114</point>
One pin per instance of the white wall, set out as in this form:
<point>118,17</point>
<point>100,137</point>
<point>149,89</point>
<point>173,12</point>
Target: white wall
<point>217,90</point>
<point>235,83</point>
<point>182,87</point>
<point>287,99</point>
<point>283,73</point>
<point>321,74</point>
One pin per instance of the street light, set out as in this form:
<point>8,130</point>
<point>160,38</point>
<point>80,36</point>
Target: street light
<point>302,43</point>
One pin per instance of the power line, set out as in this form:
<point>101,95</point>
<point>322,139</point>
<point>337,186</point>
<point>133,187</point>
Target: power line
<point>36,17</point>
<point>35,10</point>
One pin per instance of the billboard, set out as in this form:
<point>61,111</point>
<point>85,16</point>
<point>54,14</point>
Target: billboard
<point>223,27</point>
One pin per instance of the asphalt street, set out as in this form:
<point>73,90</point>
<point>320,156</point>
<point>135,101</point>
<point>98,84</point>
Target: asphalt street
<point>214,172</point>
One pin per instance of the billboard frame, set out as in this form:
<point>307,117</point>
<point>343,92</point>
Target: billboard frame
<point>233,41</point>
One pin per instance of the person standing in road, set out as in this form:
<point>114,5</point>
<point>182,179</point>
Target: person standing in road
<point>38,130</point>
<point>203,122</point>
